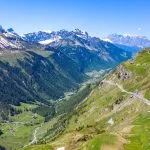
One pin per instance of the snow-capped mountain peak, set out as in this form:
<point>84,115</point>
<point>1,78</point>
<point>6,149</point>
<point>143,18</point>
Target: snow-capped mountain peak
<point>129,40</point>
<point>75,44</point>
<point>48,41</point>
<point>9,39</point>
<point>47,37</point>
<point>10,33</point>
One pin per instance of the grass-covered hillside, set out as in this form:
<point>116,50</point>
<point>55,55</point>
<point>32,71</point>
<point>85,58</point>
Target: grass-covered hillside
<point>115,115</point>
<point>17,132</point>
<point>37,75</point>
<point>37,122</point>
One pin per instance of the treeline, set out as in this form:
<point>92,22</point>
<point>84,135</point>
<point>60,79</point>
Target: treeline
<point>6,111</point>
<point>48,112</point>
<point>65,109</point>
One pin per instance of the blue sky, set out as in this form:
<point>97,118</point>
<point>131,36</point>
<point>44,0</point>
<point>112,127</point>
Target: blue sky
<point>98,17</point>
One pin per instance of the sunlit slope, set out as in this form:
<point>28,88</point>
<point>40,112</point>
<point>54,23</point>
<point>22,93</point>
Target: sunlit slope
<point>115,115</point>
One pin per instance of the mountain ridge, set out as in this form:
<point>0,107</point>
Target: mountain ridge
<point>72,42</point>
<point>129,40</point>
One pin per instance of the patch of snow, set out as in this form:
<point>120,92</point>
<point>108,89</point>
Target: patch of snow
<point>107,40</point>
<point>89,47</point>
<point>77,43</point>
<point>47,31</point>
<point>46,42</point>
<point>10,34</point>
<point>5,43</point>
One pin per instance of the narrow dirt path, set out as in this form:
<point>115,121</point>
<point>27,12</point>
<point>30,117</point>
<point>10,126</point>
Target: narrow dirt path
<point>135,94</point>
<point>34,140</point>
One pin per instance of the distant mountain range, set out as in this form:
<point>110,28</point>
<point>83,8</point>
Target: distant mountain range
<point>9,39</point>
<point>78,45</point>
<point>129,42</point>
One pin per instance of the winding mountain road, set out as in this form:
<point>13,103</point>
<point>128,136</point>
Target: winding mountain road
<point>135,94</point>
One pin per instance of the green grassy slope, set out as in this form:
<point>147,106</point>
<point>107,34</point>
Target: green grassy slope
<point>20,127</point>
<point>19,130</point>
<point>140,133</point>
<point>137,73</point>
<point>140,69</point>
<point>110,118</point>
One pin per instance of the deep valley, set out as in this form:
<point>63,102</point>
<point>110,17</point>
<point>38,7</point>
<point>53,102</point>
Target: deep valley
<point>67,90</point>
